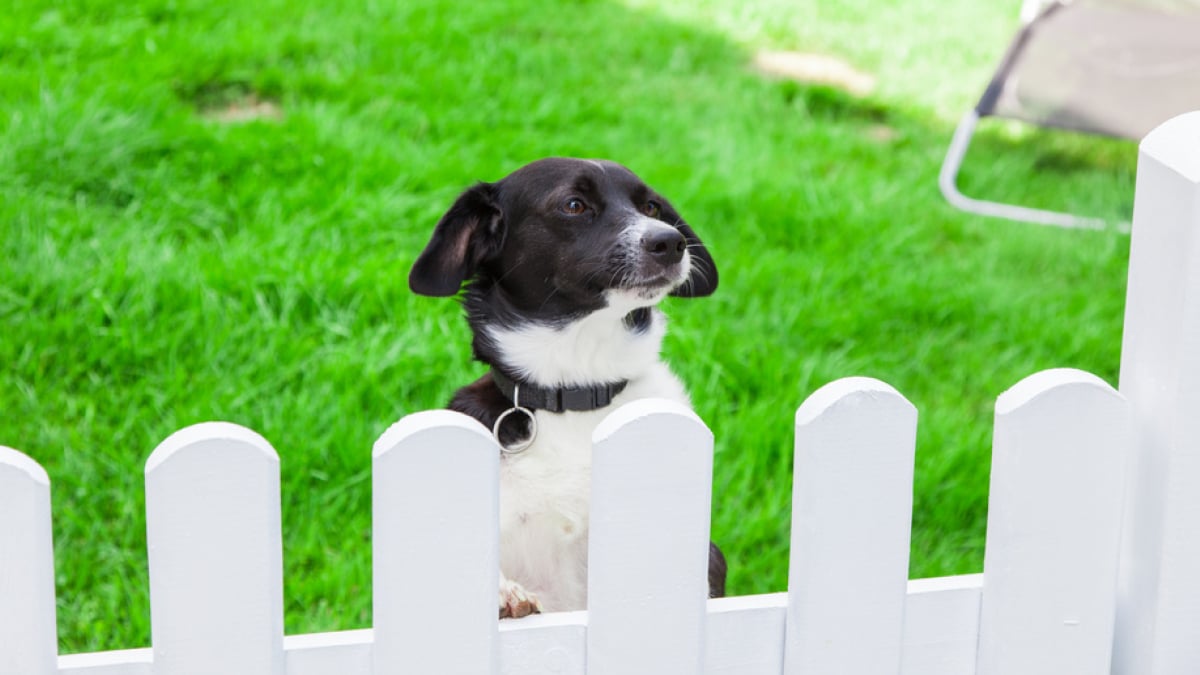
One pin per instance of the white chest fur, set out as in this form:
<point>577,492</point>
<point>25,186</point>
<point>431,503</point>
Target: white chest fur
<point>545,490</point>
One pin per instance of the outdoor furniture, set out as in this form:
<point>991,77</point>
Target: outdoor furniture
<point>1112,67</point>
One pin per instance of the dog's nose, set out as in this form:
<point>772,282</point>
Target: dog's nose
<point>666,246</point>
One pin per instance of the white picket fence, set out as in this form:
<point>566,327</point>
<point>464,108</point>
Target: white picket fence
<point>1062,593</point>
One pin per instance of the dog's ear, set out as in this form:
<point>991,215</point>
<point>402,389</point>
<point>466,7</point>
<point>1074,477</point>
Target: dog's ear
<point>702,280</point>
<point>469,233</point>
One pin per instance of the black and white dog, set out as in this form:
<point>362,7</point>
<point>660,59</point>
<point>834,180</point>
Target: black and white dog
<point>565,260</point>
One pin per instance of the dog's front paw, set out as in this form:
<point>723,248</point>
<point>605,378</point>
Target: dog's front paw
<point>515,601</point>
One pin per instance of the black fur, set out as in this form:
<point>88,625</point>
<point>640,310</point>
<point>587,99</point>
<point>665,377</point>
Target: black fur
<point>506,241</point>
<point>717,569</point>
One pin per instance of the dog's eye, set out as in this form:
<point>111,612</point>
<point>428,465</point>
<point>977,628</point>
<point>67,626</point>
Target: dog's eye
<point>574,207</point>
<point>652,209</point>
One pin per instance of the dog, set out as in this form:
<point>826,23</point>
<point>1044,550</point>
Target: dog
<point>564,262</point>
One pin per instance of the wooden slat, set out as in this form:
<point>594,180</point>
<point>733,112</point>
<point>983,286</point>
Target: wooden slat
<point>851,521</point>
<point>341,653</point>
<point>744,637</point>
<point>648,541</point>
<point>118,662</point>
<point>1061,446</point>
<point>547,644</point>
<point>216,566</point>
<point>941,625</point>
<point>1159,617</point>
<point>435,538</point>
<point>28,639</point>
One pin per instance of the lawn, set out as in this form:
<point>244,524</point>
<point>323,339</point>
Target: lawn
<point>208,211</point>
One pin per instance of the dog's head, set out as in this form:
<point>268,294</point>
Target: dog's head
<point>564,236</point>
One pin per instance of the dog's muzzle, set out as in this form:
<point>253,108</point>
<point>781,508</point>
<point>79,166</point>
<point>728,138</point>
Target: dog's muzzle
<point>657,256</point>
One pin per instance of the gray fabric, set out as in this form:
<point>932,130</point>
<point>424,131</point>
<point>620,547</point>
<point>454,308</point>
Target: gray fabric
<point>1115,67</point>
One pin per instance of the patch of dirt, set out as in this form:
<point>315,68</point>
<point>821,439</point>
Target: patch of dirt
<point>245,109</point>
<point>882,133</point>
<point>815,69</point>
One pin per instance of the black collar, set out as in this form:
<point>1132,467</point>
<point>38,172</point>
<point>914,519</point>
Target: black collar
<point>557,399</point>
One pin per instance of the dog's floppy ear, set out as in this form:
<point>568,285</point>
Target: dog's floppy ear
<point>702,280</point>
<point>469,233</point>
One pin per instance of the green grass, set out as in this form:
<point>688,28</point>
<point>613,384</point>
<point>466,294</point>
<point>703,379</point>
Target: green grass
<point>161,267</point>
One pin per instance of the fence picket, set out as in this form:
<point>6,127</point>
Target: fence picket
<point>1159,616</point>
<point>851,525</point>
<point>435,538</point>
<point>215,552</point>
<point>1054,520</point>
<point>27,616</point>
<point>648,541</point>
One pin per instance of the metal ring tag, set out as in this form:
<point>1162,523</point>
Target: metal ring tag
<point>516,448</point>
<point>522,446</point>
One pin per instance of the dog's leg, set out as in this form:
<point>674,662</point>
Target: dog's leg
<point>515,601</point>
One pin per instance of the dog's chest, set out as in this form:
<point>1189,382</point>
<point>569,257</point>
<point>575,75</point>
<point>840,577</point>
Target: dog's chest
<point>545,496</point>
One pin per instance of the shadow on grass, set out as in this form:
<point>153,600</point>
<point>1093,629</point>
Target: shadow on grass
<point>1060,170</point>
